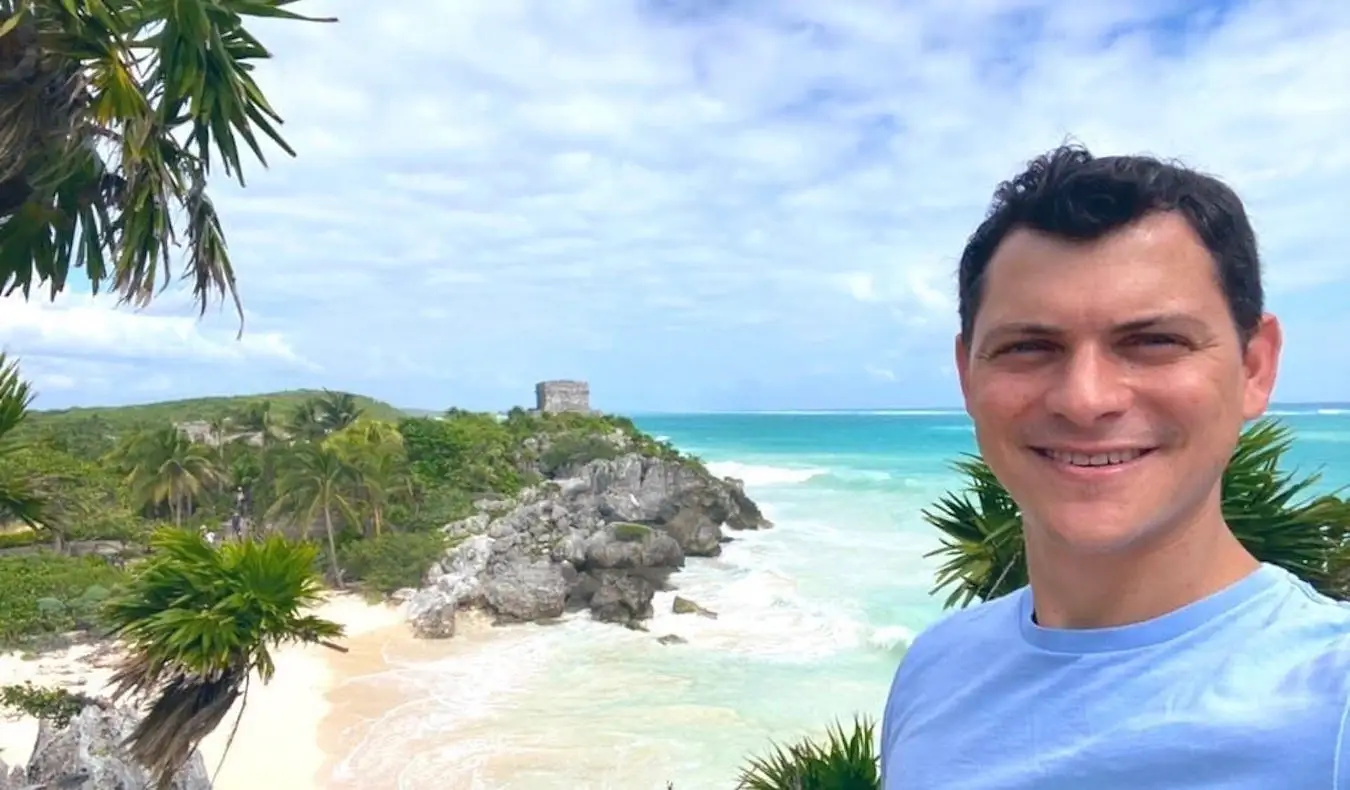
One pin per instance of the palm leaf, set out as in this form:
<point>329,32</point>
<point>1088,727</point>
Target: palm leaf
<point>111,114</point>
<point>844,761</point>
<point>197,622</point>
<point>21,497</point>
<point>1269,510</point>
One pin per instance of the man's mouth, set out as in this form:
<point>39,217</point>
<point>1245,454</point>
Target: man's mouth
<point>1088,460</point>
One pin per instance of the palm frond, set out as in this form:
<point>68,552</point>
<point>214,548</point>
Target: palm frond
<point>846,760</point>
<point>1270,510</point>
<point>111,114</point>
<point>197,621</point>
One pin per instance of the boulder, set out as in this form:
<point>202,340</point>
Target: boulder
<point>87,754</point>
<point>602,539</point>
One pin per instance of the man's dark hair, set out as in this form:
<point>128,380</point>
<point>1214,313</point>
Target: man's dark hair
<point>1070,193</point>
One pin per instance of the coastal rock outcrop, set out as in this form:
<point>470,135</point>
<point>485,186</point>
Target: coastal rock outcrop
<point>605,537</point>
<point>87,754</point>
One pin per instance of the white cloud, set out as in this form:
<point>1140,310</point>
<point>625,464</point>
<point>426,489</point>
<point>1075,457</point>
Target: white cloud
<point>81,326</point>
<point>665,195</point>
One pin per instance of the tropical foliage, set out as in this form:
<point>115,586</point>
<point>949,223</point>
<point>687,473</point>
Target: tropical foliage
<point>111,114</point>
<point>19,498</point>
<point>197,623</point>
<point>845,760</point>
<point>1273,511</point>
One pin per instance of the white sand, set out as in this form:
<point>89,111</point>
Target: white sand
<point>277,744</point>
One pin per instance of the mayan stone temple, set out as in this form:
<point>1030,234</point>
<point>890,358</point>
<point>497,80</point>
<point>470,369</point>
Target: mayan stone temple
<point>556,396</point>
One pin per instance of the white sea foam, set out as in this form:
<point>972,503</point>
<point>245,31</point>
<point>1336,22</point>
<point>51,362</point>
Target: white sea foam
<point>890,637</point>
<point>763,475</point>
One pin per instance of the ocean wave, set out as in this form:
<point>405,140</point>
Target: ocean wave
<point>890,637</point>
<point>764,475</point>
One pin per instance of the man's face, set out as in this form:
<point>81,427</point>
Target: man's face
<point>1107,382</point>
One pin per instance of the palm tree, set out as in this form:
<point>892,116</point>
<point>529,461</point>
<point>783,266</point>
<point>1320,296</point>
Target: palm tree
<point>197,622</point>
<point>258,419</point>
<point>20,497</point>
<point>1269,510</point>
<point>337,410</point>
<point>315,480</point>
<point>374,450</point>
<point>168,468</point>
<point>110,114</point>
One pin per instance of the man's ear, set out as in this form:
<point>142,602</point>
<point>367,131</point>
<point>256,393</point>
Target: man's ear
<point>1260,364</point>
<point>962,361</point>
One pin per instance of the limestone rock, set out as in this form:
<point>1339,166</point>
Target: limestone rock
<point>87,754</point>
<point>602,539</point>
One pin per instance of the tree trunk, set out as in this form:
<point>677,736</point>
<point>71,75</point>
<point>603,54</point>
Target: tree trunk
<point>332,546</point>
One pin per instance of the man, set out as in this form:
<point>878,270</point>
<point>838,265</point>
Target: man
<point>1112,345</point>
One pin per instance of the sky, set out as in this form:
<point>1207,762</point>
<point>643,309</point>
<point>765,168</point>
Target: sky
<point>702,205</point>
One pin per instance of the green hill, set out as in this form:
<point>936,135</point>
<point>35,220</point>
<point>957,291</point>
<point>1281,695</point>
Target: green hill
<point>119,418</point>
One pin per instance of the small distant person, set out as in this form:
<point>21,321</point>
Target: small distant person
<point>1113,342</point>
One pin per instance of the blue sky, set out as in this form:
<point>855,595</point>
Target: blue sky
<point>705,204</point>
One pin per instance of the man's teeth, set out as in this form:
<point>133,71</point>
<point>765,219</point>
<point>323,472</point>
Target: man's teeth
<point>1100,459</point>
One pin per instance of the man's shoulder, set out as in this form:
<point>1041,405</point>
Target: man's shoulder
<point>968,629</point>
<point>1306,625</point>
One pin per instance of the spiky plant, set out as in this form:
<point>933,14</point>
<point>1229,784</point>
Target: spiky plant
<point>110,114</point>
<point>845,760</point>
<point>197,623</point>
<point>1269,509</point>
<point>20,497</point>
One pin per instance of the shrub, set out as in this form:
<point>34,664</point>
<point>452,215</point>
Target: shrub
<point>46,594</point>
<point>571,450</point>
<point>56,705</point>
<point>393,560</point>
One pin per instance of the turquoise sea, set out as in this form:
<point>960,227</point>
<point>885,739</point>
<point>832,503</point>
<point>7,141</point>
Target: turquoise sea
<point>813,616</point>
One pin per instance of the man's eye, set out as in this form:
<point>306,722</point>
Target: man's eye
<point>1156,340</point>
<point>1025,347</point>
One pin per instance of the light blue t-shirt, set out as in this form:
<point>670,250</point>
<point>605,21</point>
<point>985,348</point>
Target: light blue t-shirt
<point>1243,690</point>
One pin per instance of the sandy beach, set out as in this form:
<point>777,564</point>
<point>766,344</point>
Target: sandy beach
<point>279,741</point>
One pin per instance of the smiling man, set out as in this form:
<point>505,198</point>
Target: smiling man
<point>1113,342</point>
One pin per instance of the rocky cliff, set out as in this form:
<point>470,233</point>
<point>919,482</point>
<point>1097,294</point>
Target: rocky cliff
<point>602,536</point>
<point>87,754</point>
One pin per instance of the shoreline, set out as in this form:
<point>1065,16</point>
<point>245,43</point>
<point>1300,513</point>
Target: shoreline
<point>280,741</point>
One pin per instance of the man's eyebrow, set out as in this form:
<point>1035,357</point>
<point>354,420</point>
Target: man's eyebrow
<point>1036,329</point>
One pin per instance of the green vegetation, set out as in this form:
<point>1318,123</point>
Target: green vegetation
<point>111,112</point>
<point>198,621</point>
<point>46,595</point>
<point>844,761</point>
<point>631,532</point>
<point>1270,510</point>
<point>320,485</point>
<point>371,486</point>
<point>56,705</point>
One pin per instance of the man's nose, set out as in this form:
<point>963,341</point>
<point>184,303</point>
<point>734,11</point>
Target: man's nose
<point>1089,386</point>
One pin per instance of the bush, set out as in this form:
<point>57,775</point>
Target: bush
<point>393,560</point>
<point>56,705</point>
<point>571,450</point>
<point>465,451</point>
<point>46,594</point>
<point>433,507</point>
<point>843,761</point>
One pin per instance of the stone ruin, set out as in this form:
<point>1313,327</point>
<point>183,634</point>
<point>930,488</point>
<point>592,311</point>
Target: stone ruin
<point>559,396</point>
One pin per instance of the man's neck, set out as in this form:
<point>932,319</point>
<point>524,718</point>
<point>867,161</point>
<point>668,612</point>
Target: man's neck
<point>1105,590</point>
